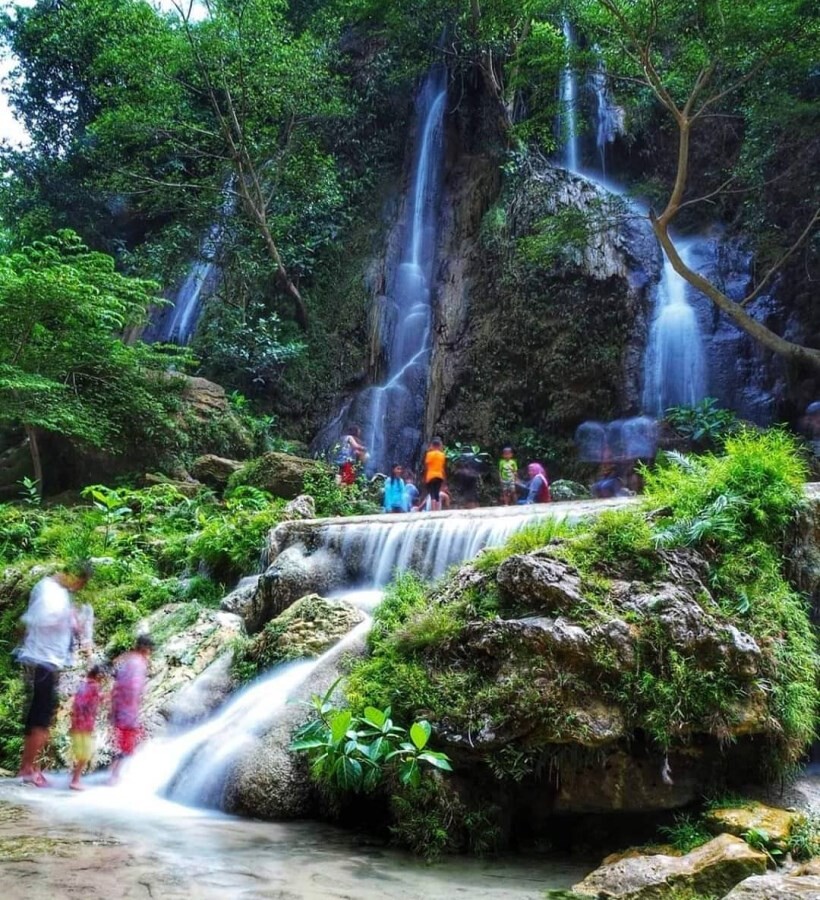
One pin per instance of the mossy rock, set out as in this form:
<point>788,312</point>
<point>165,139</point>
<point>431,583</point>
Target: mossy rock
<point>711,870</point>
<point>306,629</point>
<point>775,822</point>
<point>280,474</point>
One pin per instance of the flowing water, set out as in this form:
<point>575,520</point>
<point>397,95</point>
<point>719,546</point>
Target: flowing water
<point>675,368</point>
<point>569,106</point>
<point>675,364</point>
<point>391,414</point>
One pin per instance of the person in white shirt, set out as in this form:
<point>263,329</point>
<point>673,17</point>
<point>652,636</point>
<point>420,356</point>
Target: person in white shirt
<point>51,624</point>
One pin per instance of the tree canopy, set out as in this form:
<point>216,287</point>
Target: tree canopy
<point>64,367</point>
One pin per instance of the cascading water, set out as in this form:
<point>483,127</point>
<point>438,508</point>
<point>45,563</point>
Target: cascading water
<point>192,767</point>
<point>675,365</point>
<point>569,103</point>
<point>178,324</point>
<point>675,371</point>
<point>391,414</point>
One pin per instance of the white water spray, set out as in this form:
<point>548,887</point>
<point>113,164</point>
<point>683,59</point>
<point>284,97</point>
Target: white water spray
<point>569,103</point>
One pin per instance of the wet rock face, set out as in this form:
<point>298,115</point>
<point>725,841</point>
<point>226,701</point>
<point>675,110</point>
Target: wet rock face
<point>518,333</point>
<point>776,822</point>
<point>552,584</point>
<point>711,870</point>
<point>293,574</point>
<point>306,629</point>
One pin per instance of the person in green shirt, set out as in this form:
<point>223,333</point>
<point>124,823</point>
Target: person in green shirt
<point>508,473</point>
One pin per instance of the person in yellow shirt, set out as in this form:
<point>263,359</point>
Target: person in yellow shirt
<point>435,467</point>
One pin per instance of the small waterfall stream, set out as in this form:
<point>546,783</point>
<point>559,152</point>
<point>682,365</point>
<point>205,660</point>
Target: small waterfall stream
<point>569,104</point>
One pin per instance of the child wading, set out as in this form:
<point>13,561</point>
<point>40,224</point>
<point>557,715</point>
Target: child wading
<point>435,463</point>
<point>83,719</point>
<point>130,678</point>
<point>508,474</point>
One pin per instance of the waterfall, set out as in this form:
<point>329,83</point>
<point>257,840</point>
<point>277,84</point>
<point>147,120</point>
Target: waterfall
<point>569,103</point>
<point>391,414</point>
<point>191,768</point>
<point>675,365</point>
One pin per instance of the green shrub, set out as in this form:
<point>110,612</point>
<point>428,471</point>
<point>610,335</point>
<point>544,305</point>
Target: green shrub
<point>531,537</point>
<point>618,541</point>
<point>12,708</point>
<point>687,833</point>
<point>334,499</point>
<point>804,837</point>
<point>705,425</point>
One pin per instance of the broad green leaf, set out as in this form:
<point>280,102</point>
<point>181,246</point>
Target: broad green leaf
<point>339,725</point>
<point>374,716</point>
<point>420,734</point>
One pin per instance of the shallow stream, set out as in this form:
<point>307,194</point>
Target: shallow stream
<point>57,844</point>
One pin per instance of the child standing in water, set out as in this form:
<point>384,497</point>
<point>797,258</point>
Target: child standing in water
<point>435,464</point>
<point>508,473</point>
<point>83,719</point>
<point>130,679</point>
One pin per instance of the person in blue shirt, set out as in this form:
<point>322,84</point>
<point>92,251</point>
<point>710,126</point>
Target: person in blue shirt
<point>411,492</point>
<point>395,493</point>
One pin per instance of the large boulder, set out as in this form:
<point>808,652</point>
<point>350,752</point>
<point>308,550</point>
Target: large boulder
<point>310,626</point>
<point>281,474</point>
<point>711,870</point>
<point>267,781</point>
<point>777,886</point>
<point>293,574</point>
<point>539,580</point>
<point>213,470</point>
<point>240,600</point>
<point>301,507</point>
<point>775,822</point>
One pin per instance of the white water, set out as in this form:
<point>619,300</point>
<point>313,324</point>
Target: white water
<point>569,103</point>
<point>675,365</point>
<point>391,414</point>
<point>609,117</point>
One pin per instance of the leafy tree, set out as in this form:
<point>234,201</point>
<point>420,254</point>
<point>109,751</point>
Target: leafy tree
<point>63,367</point>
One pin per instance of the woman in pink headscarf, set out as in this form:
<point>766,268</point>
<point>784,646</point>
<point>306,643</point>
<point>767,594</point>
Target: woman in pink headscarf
<point>538,488</point>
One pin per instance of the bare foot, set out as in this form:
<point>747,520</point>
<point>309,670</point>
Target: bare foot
<point>35,778</point>
<point>76,786</point>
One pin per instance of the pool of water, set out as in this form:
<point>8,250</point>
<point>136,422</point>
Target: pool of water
<point>55,843</point>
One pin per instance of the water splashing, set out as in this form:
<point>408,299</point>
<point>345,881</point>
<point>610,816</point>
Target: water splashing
<point>675,364</point>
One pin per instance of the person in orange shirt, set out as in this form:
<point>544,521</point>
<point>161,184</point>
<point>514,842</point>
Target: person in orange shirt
<point>435,464</point>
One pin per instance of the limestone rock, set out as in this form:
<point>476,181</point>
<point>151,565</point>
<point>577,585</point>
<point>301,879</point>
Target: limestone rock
<point>186,488</point>
<point>293,574</point>
<point>185,649</point>
<point>711,869</point>
<point>777,823</point>
<point>538,579</point>
<point>214,470</point>
<point>240,599</point>
<point>695,632</point>
<point>281,474</point>
<point>306,629</point>
<point>622,782</point>
<point>777,886</point>
<point>301,507</point>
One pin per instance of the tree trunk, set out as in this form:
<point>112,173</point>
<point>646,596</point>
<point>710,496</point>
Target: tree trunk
<point>768,338</point>
<point>36,460</point>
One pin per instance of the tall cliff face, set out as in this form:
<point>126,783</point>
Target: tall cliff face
<point>542,294</point>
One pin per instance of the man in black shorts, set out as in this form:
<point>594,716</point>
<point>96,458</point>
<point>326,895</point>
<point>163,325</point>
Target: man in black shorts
<point>51,623</point>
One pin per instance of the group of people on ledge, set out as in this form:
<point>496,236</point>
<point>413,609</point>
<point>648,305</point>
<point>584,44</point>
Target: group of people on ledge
<point>401,494</point>
<point>54,629</point>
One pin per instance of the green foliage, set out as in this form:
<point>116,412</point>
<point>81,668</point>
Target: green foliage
<point>354,753</point>
<point>705,425</point>
<point>686,833</point>
<point>761,840</point>
<point>533,536</point>
<point>616,541</point>
<point>804,837</point>
<point>333,499</point>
